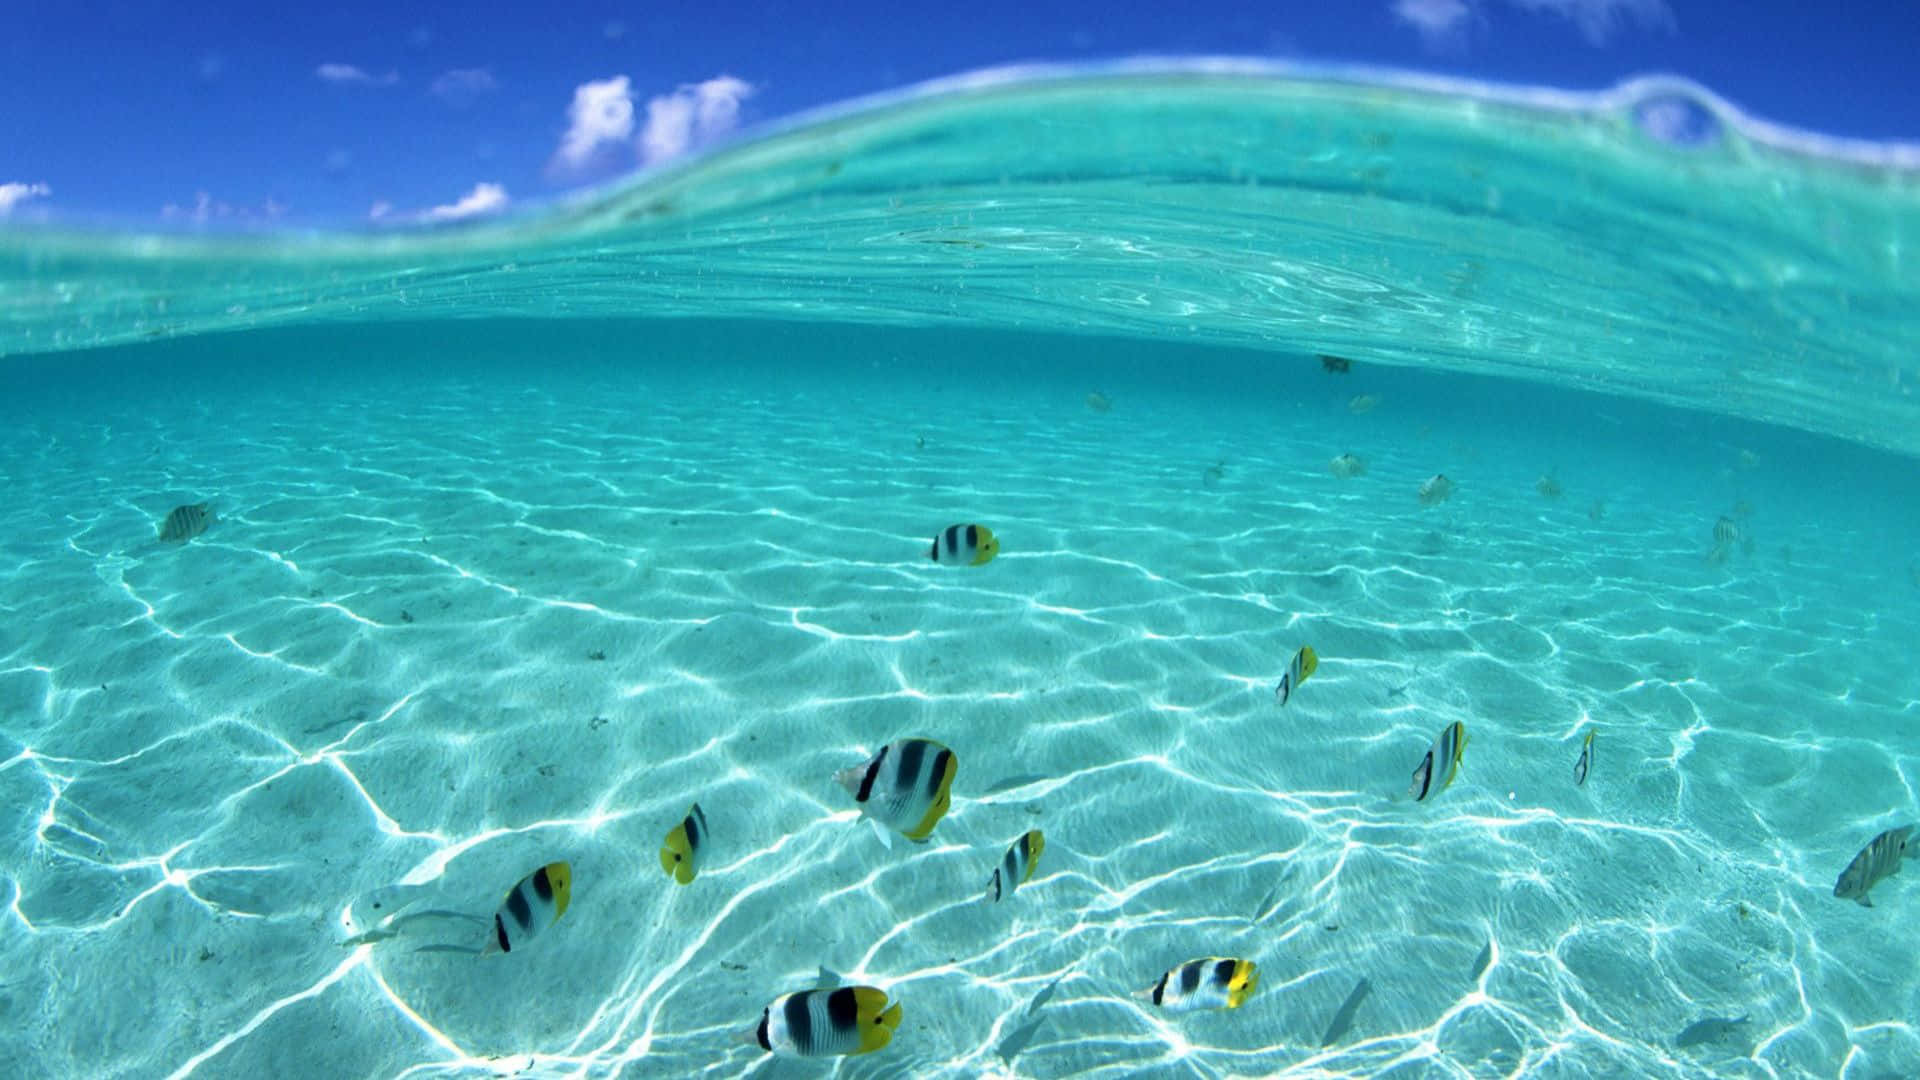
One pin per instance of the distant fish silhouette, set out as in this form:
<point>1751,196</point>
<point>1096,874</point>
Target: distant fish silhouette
<point>1436,490</point>
<point>1099,402</point>
<point>183,523</point>
<point>1548,485</point>
<point>1343,1019</point>
<point>1360,404</point>
<point>1347,465</point>
<point>1709,1029</point>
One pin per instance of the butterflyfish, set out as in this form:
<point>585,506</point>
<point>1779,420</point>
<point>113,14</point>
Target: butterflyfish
<point>964,545</point>
<point>1436,770</point>
<point>1304,663</point>
<point>1016,866</point>
<point>1211,983</point>
<point>906,787</point>
<point>534,904</point>
<point>827,1022</point>
<point>680,852</point>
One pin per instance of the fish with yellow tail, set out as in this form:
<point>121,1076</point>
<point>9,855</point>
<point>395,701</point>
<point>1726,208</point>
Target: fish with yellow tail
<point>906,787</point>
<point>828,1022</point>
<point>1878,861</point>
<point>964,545</point>
<point>680,852</point>
<point>1016,866</point>
<point>1442,761</point>
<point>1303,664</point>
<point>534,903</point>
<point>1214,982</point>
<point>1585,763</point>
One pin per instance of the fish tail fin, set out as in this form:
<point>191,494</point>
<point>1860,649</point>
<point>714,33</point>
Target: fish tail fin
<point>1245,982</point>
<point>1309,661</point>
<point>877,1018</point>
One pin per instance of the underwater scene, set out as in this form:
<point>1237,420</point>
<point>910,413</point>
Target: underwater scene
<point>1193,572</point>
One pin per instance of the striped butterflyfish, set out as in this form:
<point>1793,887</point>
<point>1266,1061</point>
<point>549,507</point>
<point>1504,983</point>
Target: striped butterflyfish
<point>1585,763</point>
<point>905,787</point>
<point>827,1022</point>
<point>1436,770</point>
<point>1303,664</point>
<point>1016,865</point>
<point>680,852</point>
<point>964,545</point>
<point>1211,983</point>
<point>183,523</point>
<point>534,904</point>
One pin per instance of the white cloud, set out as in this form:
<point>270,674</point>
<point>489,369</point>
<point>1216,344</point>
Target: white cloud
<point>14,193</point>
<point>462,85</point>
<point>483,199</point>
<point>380,210</point>
<point>1443,22</point>
<point>693,114</point>
<point>345,74</point>
<point>601,112</point>
<point>1437,20</point>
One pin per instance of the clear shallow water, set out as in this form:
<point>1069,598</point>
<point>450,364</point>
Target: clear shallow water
<point>382,666</point>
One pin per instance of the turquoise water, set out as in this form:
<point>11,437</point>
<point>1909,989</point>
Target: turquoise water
<point>528,536</point>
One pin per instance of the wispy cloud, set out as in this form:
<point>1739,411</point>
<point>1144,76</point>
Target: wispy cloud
<point>14,193</point>
<point>483,199</point>
<point>601,113</point>
<point>693,114</point>
<point>206,208</point>
<point>461,86</point>
<point>347,74</point>
<point>1443,23</point>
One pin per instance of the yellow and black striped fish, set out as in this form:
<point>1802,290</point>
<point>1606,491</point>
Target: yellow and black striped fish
<point>680,852</point>
<point>183,523</point>
<point>1586,761</point>
<point>1436,770</point>
<point>964,545</point>
<point>534,904</point>
<point>906,787</point>
<point>1016,865</point>
<point>1303,665</point>
<point>824,1023</point>
<point>1210,983</point>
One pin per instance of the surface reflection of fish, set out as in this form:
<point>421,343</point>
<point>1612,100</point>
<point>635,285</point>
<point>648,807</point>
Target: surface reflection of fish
<point>1436,490</point>
<point>964,545</point>
<point>1210,983</point>
<point>1878,861</point>
<point>1585,763</point>
<point>1548,486</point>
<point>1016,866</point>
<point>1347,465</point>
<point>827,1022</point>
<point>1442,761</point>
<point>1709,1029</point>
<point>680,853</point>
<point>1335,365</point>
<point>1303,664</point>
<point>906,787</point>
<point>1362,403</point>
<point>183,523</point>
<point>1343,1017</point>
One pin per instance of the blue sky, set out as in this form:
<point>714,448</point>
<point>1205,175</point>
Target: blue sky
<point>334,114</point>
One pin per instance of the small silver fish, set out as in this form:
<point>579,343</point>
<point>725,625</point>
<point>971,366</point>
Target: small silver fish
<point>183,523</point>
<point>1879,860</point>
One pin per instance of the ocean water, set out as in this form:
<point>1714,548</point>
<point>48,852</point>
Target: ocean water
<point>531,534</point>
